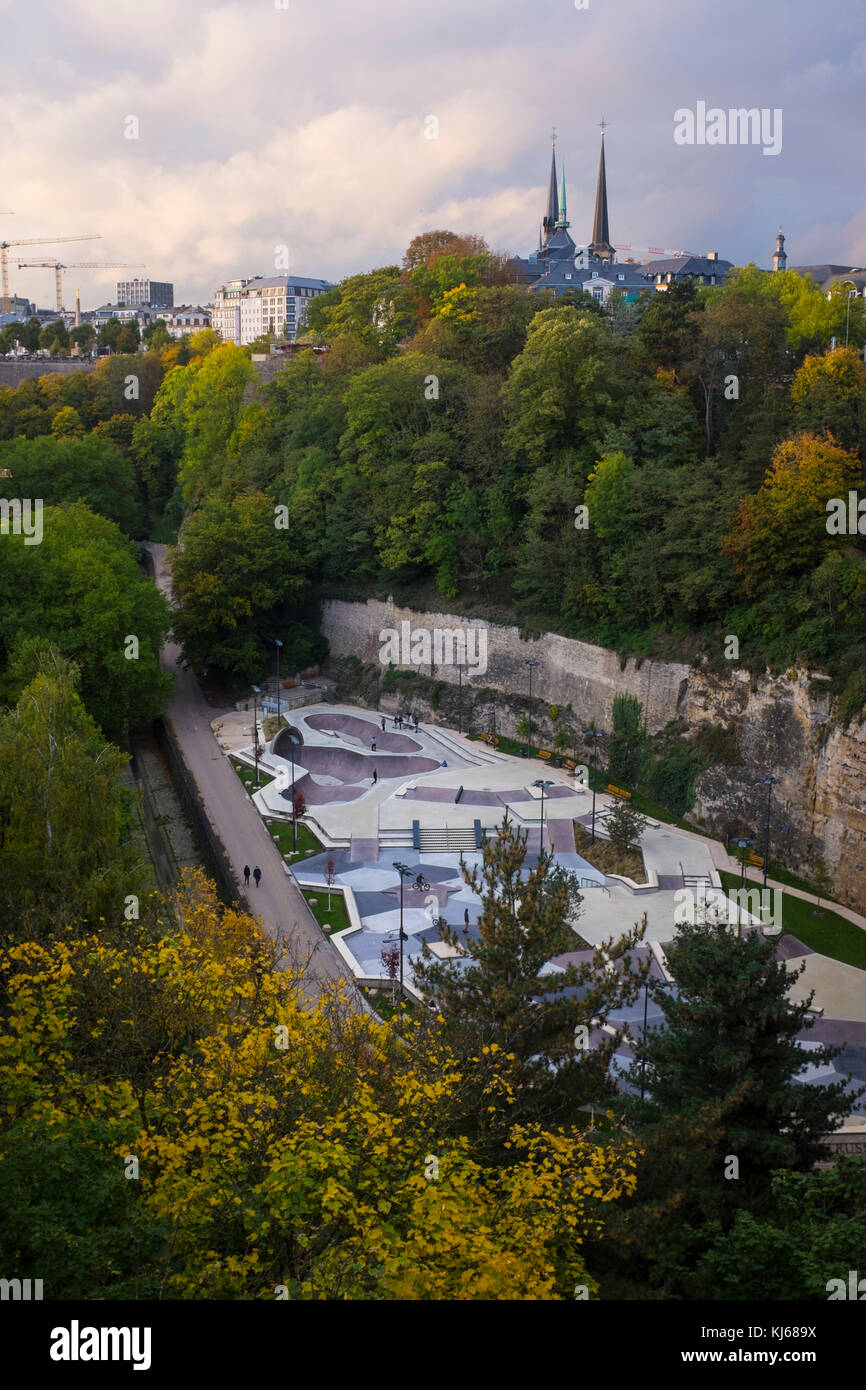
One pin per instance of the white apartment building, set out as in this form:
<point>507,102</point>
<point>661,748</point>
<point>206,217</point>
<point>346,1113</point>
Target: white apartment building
<point>244,310</point>
<point>184,318</point>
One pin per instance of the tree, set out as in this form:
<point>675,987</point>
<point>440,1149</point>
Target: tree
<point>627,751</point>
<point>285,1149</point>
<point>156,335</point>
<point>624,825</point>
<point>829,395</point>
<point>783,528</point>
<point>30,334</point>
<point>428,247</point>
<point>236,579</point>
<point>67,468</point>
<point>65,845</point>
<point>730,1038</point>
<point>54,336</point>
<point>128,338</point>
<point>372,311</point>
<point>330,878</point>
<point>109,333</point>
<point>83,336</point>
<point>82,591</point>
<point>563,387</point>
<point>822,880</point>
<point>67,424</point>
<point>502,1004</point>
<point>208,402</point>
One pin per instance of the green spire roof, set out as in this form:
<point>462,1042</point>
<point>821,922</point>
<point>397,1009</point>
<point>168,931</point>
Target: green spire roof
<point>562,220</point>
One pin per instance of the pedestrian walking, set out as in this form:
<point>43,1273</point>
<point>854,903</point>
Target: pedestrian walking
<point>382,722</point>
<point>246,875</point>
<point>466,916</point>
<point>375,777</point>
<point>372,745</point>
<point>257,875</point>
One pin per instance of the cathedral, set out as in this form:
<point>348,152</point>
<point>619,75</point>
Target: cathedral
<point>560,265</point>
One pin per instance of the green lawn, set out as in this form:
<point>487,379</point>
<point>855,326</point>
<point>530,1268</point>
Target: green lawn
<point>337,917</point>
<point>248,775</point>
<point>306,840</point>
<point>830,934</point>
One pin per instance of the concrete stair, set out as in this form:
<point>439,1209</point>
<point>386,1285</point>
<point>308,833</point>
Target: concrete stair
<point>449,839</point>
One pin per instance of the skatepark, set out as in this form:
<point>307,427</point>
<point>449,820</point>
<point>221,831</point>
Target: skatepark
<point>434,799</point>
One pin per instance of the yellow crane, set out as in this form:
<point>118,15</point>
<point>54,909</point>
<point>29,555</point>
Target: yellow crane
<point>59,266</point>
<point>31,241</point>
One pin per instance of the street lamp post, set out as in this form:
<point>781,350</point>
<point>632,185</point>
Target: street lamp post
<point>460,697</point>
<point>294,819</point>
<point>769,783</point>
<point>531,662</point>
<point>256,691</point>
<point>279,646</point>
<point>593,734</point>
<point>540,782</point>
<point>420,885</point>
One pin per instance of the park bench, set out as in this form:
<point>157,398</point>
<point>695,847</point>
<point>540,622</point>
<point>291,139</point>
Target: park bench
<point>618,791</point>
<point>543,753</point>
<point>757,860</point>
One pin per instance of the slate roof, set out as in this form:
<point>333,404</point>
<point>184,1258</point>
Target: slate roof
<point>688,265</point>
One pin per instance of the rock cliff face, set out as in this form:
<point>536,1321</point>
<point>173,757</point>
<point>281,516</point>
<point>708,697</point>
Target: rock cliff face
<point>784,728</point>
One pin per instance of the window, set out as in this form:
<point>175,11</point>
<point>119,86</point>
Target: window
<point>620,277</point>
<point>598,293</point>
<point>568,275</point>
<point>595,275</point>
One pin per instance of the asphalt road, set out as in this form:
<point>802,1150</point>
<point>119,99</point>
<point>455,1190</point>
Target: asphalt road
<point>277,901</point>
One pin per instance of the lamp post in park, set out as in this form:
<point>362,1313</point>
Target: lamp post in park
<point>460,697</point>
<point>769,783</point>
<point>593,734</point>
<point>279,646</point>
<point>531,662</point>
<point>420,885</point>
<point>256,691</point>
<point>540,782</point>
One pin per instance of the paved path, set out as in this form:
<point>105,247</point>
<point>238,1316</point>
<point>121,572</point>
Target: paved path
<point>278,901</point>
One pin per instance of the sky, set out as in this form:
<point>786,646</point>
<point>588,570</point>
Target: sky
<point>306,123</point>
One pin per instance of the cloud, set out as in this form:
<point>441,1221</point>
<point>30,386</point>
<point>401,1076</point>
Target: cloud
<point>305,126</point>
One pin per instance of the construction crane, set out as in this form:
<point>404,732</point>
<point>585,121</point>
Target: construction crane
<point>653,250</point>
<point>32,241</point>
<point>59,266</point>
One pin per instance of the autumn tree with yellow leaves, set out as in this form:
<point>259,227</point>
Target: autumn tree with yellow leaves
<point>178,1121</point>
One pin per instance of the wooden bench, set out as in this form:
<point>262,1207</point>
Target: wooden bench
<point>618,791</point>
<point>543,753</point>
<point>757,860</point>
<point>569,764</point>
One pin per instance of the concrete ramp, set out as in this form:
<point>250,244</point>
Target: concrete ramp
<point>364,729</point>
<point>561,836</point>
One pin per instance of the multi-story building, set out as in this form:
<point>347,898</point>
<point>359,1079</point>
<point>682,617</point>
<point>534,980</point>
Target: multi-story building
<point>158,293</point>
<point>184,318</point>
<point>124,312</point>
<point>244,310</point>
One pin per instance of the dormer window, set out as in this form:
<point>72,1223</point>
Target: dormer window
<point>620,277</point>
<point>568,275</point>
<point>595,275</point>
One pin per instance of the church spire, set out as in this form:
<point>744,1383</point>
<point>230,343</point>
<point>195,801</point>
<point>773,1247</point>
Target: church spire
<point>562,220</point>
<point>600,245</point>
<point>780,256</point>
<point>552,216</point>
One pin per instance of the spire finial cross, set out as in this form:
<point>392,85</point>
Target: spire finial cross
<point>603,123</point>
<point>553,136</point>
